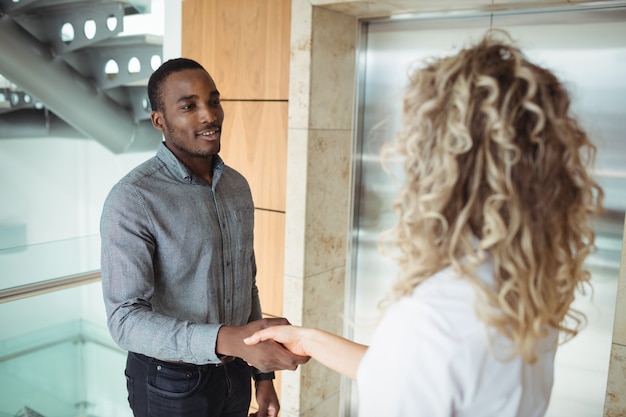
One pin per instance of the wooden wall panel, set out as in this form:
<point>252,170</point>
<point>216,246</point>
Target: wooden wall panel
<point>243,44</point>
<point>269,242</point>
<point>254,142</point>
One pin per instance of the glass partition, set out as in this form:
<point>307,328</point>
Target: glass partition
<point>52,188</point>
<point>57,358</point>
<point>45,261</point>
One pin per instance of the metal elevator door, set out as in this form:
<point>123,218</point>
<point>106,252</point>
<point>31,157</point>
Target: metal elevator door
<point>584,47</point>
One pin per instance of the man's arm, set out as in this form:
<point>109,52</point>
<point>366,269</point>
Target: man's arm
<point>128,248</point>
<point>267,399</point>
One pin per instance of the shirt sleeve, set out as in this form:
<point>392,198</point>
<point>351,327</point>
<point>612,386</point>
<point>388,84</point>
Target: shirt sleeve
<point>127,250</point>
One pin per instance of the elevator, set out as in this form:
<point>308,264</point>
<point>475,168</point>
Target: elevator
<point>585,46</point>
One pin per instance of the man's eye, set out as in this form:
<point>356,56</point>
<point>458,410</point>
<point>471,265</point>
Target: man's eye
<point>186,106</point>
<point>215,102</point>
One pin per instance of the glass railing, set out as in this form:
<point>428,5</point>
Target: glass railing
<point>29,264</point>
<point>57,358</point>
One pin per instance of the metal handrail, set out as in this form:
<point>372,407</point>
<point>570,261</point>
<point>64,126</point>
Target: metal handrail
<point>42,287</point>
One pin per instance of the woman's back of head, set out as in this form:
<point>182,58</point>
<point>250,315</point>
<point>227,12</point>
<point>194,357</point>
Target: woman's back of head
<point>497,167</point>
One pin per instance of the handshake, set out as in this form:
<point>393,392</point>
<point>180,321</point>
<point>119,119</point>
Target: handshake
<point>267,344</point>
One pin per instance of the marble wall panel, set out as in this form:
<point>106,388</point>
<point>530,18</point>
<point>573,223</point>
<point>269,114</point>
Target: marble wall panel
<point>333,66</point>
<point>326,408</point>
<point>315,301</point>
<point>300,64</point>
<point>319,168</point>
<point>619,327</point>
<point>328,199</point>
<point>296,198</point>
<point>615,403</point>
<point>320,384</point>
<point>318,200</point>
<point>290,392</point>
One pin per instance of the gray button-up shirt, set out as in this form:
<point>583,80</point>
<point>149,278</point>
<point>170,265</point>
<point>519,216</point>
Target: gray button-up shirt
<point>177,259</point>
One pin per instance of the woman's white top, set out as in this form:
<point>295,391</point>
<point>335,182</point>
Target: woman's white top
<point>430,356</point>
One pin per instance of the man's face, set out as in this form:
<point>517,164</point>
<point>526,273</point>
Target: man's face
<point>191,117</point>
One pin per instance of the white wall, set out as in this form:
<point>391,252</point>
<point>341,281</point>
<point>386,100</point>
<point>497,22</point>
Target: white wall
<point>57,186</point>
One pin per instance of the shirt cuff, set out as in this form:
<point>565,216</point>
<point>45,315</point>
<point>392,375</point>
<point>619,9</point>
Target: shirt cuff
<point>202,343</point>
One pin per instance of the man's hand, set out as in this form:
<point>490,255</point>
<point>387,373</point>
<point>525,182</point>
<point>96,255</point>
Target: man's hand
<point>267,400</point>
<point>266,356</point>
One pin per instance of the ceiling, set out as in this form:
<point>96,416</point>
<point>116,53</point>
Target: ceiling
<point>386,8</point>
<point>69,71</point>
<point>57,53</point>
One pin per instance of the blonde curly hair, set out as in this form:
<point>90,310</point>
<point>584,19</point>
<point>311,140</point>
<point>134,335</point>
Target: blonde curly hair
<point>496,170</point>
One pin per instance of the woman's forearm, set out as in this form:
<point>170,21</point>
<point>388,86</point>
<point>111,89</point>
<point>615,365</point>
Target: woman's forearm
<point>335,352</point>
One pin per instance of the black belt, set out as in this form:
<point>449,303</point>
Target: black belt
<point>223,361</point>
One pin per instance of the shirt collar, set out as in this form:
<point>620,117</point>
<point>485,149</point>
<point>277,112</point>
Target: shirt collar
<point>165,155</point>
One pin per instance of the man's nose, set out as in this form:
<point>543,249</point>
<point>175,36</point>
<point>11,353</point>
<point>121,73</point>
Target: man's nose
<point>208,114</point>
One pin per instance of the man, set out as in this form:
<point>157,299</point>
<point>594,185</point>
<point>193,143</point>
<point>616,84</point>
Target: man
<point>178,267</point>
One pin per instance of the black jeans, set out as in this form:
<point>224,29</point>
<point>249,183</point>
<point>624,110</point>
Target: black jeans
<point>165,389</point>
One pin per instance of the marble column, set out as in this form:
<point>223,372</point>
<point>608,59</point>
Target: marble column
<point>318,206</point>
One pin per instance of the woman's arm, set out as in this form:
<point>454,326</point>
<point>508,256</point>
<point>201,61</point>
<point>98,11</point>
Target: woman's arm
<point>335,352</point>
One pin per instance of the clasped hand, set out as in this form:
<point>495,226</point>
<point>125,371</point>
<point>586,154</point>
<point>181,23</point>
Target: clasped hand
<point>267,355</point>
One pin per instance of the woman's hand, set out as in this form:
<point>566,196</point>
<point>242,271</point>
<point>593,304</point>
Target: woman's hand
<point>291,337</point>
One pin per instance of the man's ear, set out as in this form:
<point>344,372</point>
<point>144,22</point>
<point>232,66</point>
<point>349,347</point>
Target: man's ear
<point>157,120</point>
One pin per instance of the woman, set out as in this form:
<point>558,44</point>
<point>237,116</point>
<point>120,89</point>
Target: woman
<point>493,228</point>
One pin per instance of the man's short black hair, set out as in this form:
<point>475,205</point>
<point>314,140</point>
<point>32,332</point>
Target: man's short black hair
<point>157,77</point>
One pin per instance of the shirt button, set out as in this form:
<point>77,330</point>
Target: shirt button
<point>158,367</point>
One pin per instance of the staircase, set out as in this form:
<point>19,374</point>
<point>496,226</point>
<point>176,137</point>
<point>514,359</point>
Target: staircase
<point>66,72</point>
